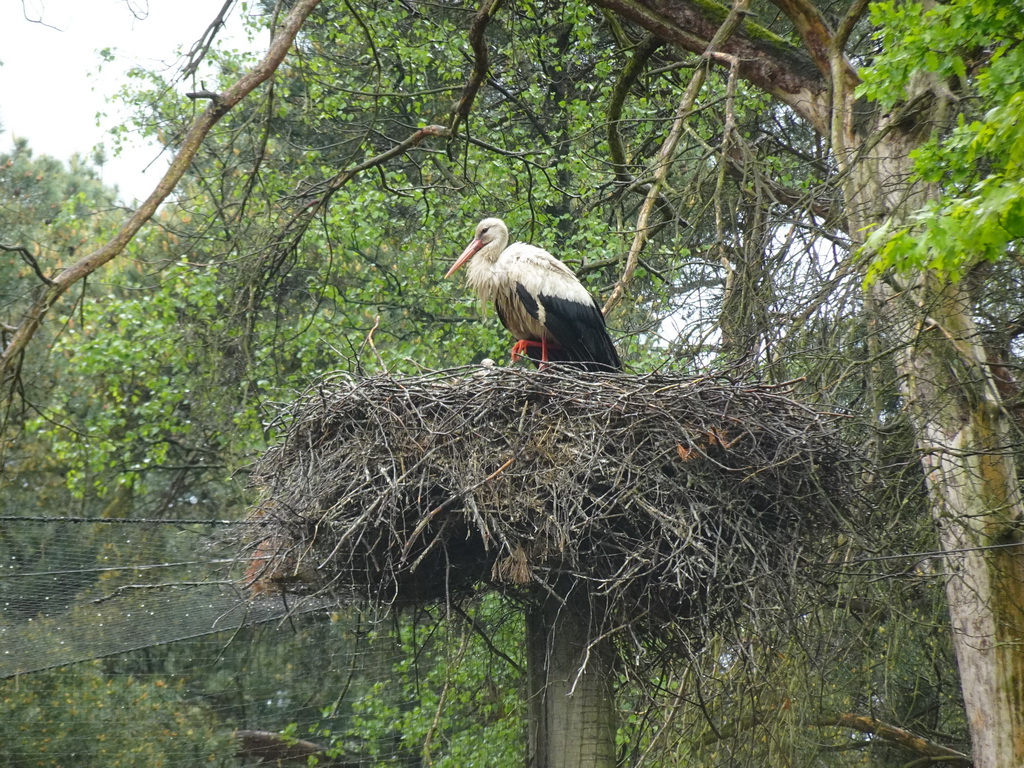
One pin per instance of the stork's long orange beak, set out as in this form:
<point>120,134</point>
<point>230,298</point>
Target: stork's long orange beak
<point>467,254</point>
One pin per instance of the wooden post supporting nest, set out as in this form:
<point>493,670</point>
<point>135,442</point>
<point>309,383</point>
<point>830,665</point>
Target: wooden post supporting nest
<point>570,683</point>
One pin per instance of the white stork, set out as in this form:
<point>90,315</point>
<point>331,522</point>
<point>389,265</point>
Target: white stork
<point>539,300</point>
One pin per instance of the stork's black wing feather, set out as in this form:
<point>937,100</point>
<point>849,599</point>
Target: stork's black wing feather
<point>581,331</point>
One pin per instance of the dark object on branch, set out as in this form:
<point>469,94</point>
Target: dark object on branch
<point>677,499</point>
<point>204,94</point>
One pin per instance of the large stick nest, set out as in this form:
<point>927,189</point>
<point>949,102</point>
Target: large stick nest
<point>673,497</point>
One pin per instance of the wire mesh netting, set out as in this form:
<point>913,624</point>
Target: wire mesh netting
<point>133,643</point>
<point>74,590</point>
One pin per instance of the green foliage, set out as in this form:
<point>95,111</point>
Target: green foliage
<point>51,209</point>
<point>134,399</point>
<point>447,699</point>
<point>81,714</point>
<point>979,215</point>
<point>370,74</point>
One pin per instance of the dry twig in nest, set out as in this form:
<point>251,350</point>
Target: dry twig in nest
<point>674,498</point>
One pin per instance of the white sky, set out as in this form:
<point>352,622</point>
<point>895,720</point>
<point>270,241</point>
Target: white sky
<point>50,91</point>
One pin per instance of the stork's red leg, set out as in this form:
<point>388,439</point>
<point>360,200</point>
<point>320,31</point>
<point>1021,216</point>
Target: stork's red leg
<point>519,349</point>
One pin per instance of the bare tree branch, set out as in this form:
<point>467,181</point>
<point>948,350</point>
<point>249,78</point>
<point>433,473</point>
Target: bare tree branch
<point>861,723</point>
<point>201,47</point>
<point>901,736</point>
<point>39,20</point>
<point>668,149</point>
<point>476,79</point>
<point>616,149</point>
<point>848,22</point>
<point>766,60</point>
<point>812,28</point>
<point>28,258</point>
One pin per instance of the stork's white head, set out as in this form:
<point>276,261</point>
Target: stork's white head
<point>491,237</point>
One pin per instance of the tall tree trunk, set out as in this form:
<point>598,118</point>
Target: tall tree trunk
<point>963,439</point>
<point>570,680</point>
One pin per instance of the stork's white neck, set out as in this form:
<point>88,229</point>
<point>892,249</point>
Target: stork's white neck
<point>482,272</point>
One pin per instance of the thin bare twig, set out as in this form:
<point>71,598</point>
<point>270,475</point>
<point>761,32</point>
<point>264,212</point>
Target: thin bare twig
<point>28,258</point>
<point>202,46</point>
<point>667,151</point>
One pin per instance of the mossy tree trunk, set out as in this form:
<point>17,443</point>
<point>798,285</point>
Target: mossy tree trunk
<point>570,683</point>
<point>963,436</point>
